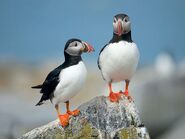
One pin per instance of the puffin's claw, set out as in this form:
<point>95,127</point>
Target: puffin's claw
<point>74,113</point>
<point>126,93</point>
<point>129,98</point>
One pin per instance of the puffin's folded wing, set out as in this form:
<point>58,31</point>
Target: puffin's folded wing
<point>49,85</point>
<point>51,81</point>
<point>98,62</point>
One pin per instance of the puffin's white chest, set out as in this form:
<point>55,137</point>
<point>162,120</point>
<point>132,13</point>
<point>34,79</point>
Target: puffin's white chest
<point>119,61</point>
<point>71,81</point>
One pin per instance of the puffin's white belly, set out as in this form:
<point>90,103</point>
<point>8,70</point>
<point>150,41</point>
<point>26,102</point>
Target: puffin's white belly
<point>119,61</point>
<point>71,81</point>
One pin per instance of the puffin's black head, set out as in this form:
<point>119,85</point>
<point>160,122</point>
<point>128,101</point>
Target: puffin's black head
<point>75,47</point>
<point>121,24</point>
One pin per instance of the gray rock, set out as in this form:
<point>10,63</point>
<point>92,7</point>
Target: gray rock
<point>99,118</point>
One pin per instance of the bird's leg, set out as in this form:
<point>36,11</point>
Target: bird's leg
<point>114,97</point>
<point>64,119</point>
<point>126,93</point>
<point>74,113</point>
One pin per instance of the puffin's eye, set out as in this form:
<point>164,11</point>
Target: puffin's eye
<point>126,19</point>
<point>75,44</point>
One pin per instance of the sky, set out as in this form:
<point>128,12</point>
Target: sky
<point>37,30</point>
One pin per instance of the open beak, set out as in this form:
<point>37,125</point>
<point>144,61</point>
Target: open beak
<point>120,28</point>
<point>87,48</point>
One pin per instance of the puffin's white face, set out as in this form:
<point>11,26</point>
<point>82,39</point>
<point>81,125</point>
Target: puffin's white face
<point>121,24</point>
<point>75,48</point>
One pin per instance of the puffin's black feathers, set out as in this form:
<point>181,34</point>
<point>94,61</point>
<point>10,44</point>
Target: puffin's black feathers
<point>50,84</point>
<point>37,86</point>
<point>122,16</point>
<point>124,37</point>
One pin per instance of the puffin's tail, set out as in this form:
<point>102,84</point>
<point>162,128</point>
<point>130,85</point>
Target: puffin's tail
<point>42,100</point>
<point>39,103</point>
<point>37,86</point>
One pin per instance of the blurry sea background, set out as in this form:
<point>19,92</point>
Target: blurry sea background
<point>32,38</point>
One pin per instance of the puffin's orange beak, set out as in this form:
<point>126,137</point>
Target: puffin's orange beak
<point>87,47</point>
<point>120,29</point>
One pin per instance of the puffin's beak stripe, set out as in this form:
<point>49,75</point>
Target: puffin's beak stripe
<point>87,47</point>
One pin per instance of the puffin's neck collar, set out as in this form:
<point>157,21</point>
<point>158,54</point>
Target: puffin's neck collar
<point>72,59</point>
<point>125,37</point>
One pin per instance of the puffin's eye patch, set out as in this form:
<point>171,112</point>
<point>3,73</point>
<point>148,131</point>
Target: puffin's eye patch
<point>126,19</point>
<point>75,44</point>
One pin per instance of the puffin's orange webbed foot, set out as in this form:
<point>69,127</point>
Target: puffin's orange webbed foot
<point>74,113</point>
<point>114,97</point>
<point>64,119</point>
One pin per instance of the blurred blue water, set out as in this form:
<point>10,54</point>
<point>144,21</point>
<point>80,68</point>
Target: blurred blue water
<point>35,30</point>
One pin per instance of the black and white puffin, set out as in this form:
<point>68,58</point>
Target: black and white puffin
<point>119,58</point>
<point>66,80</point>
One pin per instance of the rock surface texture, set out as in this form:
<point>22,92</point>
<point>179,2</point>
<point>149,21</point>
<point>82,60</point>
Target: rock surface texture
<point>99,119</point>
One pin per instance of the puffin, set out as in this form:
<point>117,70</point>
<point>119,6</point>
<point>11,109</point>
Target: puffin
<point>119,58</point>
<point>65,81</point>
